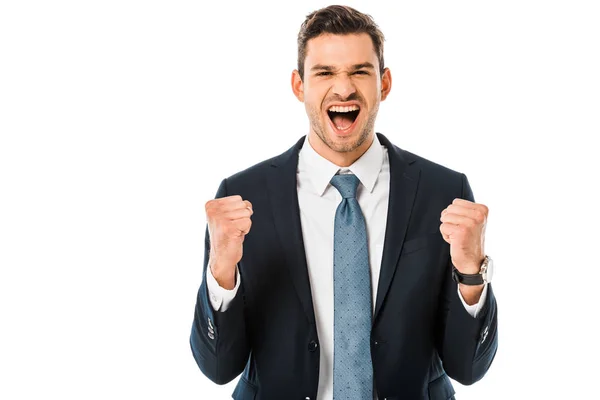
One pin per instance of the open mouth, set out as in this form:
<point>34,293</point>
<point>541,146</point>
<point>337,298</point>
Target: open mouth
<point>343,117</point>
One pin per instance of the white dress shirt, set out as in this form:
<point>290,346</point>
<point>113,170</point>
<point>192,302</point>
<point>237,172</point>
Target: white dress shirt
<point>318,201</point>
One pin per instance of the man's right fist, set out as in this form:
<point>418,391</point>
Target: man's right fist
<point>228,223</point>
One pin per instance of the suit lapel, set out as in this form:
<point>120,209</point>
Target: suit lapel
<point>283,194</point>
<point>404,180</point>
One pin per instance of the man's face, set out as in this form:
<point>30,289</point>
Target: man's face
<point>341,89</point>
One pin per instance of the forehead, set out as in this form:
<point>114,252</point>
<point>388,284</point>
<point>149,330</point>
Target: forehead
<point>331,49</point>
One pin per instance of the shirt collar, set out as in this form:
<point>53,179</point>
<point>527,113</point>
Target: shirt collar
<point>320,170</point>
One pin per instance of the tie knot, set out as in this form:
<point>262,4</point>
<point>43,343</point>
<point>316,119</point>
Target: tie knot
<point>345,184</point>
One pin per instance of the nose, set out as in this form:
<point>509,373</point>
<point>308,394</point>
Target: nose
<point>343,86</point>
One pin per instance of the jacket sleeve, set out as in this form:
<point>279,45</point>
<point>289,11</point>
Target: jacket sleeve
<point>466,345</point>
<point>219,340</point>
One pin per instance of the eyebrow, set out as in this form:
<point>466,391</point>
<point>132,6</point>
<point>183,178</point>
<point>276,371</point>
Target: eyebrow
<point>367,65</point>
<point>355,67</point>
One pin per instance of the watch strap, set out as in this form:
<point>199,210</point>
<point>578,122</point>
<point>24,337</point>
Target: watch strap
<point>467,279</point>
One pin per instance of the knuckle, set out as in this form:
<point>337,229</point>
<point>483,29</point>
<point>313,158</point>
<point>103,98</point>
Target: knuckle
<point>210,214</point>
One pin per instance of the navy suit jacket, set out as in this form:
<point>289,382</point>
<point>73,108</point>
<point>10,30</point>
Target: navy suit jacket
<point>421,332</point>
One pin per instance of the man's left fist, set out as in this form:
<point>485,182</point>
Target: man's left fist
<point>463,226</point>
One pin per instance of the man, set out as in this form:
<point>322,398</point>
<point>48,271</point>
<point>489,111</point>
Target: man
<point>346,267</point>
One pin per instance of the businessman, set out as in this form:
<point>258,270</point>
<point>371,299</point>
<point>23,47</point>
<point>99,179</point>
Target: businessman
<point>345,267</point>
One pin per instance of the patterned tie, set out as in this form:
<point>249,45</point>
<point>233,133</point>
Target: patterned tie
<point>352,367</point>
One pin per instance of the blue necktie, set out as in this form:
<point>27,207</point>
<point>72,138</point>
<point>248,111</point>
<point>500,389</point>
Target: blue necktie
<point>352,367</point>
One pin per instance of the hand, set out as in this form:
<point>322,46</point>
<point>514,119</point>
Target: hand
<point>463,226</point>
<point>228,224</point>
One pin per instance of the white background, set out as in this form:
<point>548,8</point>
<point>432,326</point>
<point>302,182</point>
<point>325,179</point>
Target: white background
<point>118,120</point>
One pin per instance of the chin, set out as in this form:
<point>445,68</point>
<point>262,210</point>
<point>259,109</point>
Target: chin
<point>345,143</point>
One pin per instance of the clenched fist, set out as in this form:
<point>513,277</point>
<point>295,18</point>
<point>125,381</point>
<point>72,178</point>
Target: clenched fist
<point>228,223</point>
<point>463,226</point>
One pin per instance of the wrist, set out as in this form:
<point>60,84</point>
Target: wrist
<point>223,274</point>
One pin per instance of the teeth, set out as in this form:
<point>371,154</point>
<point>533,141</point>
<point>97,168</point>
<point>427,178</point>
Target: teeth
<point>341,109</point>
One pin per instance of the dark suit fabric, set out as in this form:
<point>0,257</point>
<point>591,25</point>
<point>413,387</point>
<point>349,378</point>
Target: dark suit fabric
<point>421,332</point>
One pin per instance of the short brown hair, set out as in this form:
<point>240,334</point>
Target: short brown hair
<point>339,20</point>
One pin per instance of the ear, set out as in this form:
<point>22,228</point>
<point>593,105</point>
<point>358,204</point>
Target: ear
<point>386,83</point>
<point>297,85</point>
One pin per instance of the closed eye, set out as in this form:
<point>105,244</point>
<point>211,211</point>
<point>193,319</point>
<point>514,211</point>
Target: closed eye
<point>323,73</point>
<point>361,73</point>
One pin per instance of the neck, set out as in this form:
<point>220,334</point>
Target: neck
<point>339,158</point>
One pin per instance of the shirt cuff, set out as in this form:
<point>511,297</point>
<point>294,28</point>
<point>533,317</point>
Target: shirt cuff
<point>475,308</point>
<point>219,297</point>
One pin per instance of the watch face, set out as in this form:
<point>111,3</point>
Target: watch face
<point>489,273</point>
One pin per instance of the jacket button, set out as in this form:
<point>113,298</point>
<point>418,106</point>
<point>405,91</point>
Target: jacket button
<point>312,346</point>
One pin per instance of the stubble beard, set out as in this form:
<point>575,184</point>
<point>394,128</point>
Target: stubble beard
<point>319,127</point>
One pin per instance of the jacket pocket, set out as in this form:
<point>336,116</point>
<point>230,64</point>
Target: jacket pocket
<point>441,389</point>
<point>244,390</point>
<point>419,242</point>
